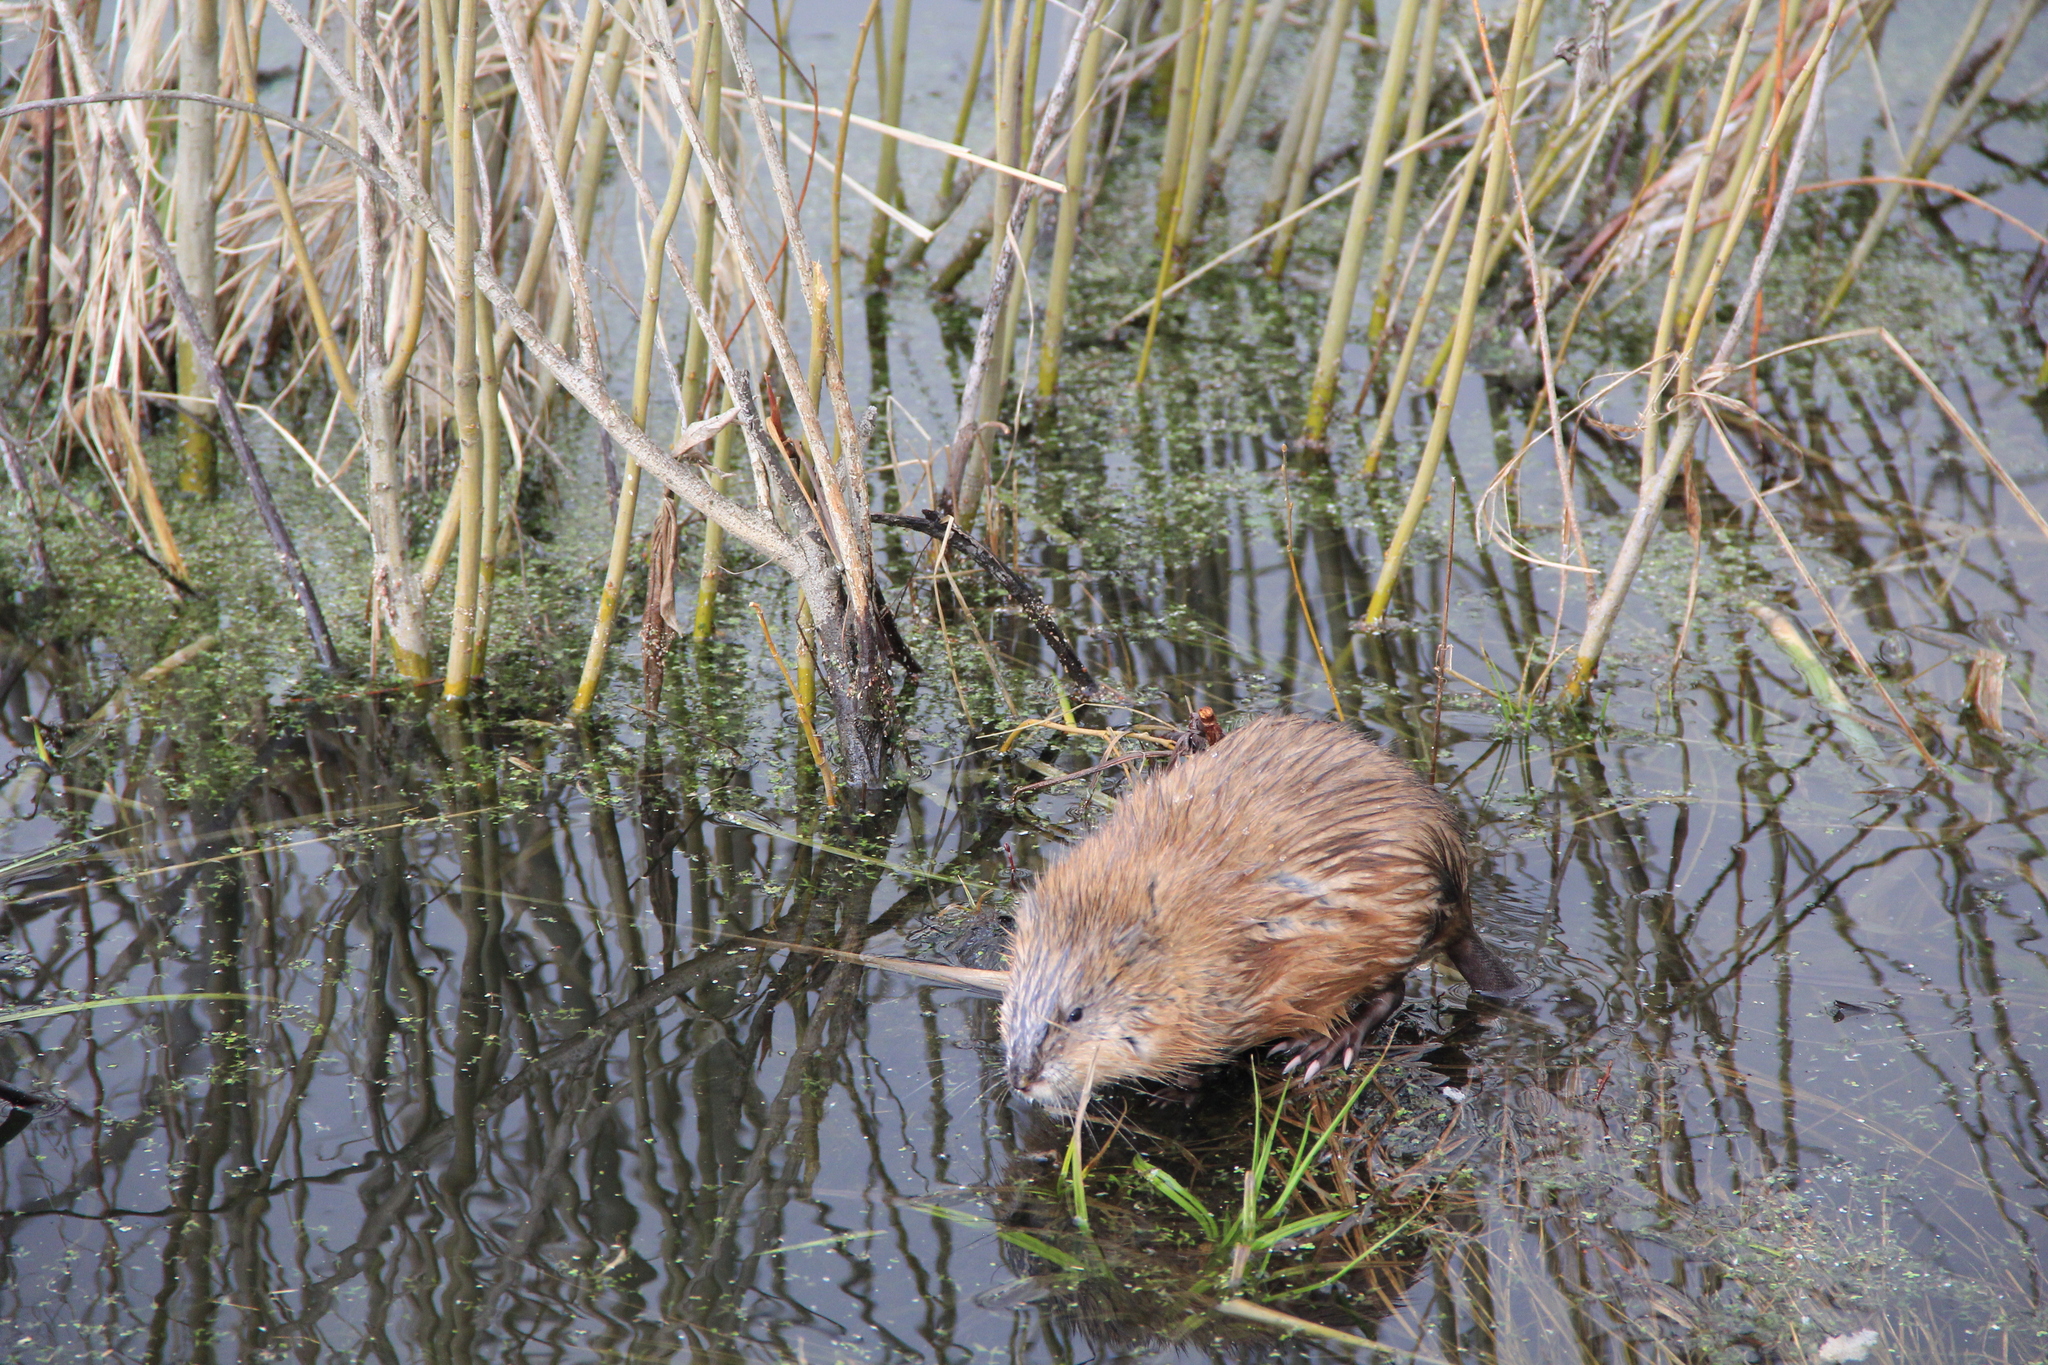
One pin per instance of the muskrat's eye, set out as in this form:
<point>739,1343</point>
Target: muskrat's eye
<point>1074,1014</point>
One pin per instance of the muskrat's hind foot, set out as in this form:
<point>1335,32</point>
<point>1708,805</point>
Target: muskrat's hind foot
<point>1339,1048</point>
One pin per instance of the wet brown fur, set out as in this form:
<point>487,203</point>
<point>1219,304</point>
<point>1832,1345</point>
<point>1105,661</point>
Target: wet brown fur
<point>1261,891</point>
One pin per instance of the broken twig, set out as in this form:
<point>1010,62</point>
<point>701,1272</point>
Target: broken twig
<point>1022,595</point>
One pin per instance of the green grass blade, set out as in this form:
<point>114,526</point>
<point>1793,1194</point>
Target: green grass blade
<point>1182,1197</point>
<point>1306,1158</point>
<point>1016,1237</point>
<point>1266,1241</point>
<point>1039,1247</point>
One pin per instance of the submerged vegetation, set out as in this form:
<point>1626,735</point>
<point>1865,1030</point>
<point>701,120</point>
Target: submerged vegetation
<point>1630,408</point>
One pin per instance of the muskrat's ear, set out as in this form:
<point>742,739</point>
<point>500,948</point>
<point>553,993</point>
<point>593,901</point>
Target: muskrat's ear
<point>1482,970</point>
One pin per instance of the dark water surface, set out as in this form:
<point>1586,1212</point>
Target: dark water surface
<point>493,1075</point>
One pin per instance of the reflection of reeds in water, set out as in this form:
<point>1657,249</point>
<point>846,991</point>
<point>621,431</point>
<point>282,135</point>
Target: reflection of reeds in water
<point>451,997</point>
<point>484,1065</point>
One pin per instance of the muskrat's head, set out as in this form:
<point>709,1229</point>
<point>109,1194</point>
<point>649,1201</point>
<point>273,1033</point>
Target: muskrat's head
<point>1087,1005</point>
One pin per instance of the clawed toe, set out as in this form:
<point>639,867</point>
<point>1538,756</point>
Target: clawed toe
<point>1314,1054</point>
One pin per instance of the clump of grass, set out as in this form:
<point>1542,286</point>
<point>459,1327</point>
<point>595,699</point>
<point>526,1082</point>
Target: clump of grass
<point>1260,1229</point>
<point>1246,1235</point>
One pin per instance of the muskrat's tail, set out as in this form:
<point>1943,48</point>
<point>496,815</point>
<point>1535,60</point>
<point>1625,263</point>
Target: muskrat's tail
<point>1481,968</point>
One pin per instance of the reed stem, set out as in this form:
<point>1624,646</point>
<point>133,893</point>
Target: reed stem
<point>574,94</point>
<point>1410,343</point>
<point>1663,364</point>
<point>395,592</point>
<point>1012,107</point>
<point>1321,80</point>
<point>492,446</point>
<point>457,103</point>
<point>414,319</point>
<point>1240,46</point>
<point>888,182</point>
<point>1070,213</point>
<point>697,349</point>
<point>1190,18</point>
<point>1297,119</point>
<point>588,179</point>
<point>1194,180</point>
<point>1244,85</point>
<point>968,92</point>
<point>613,593</point>
<point>197,232</point>
<point>1419,92</point>
<point>1528,14</point>
<point>1322,392</point>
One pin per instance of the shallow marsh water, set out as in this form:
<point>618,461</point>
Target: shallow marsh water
<point>492,1073</point>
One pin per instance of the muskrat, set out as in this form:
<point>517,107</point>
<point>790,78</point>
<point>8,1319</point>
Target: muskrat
<point>1277,887</point>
